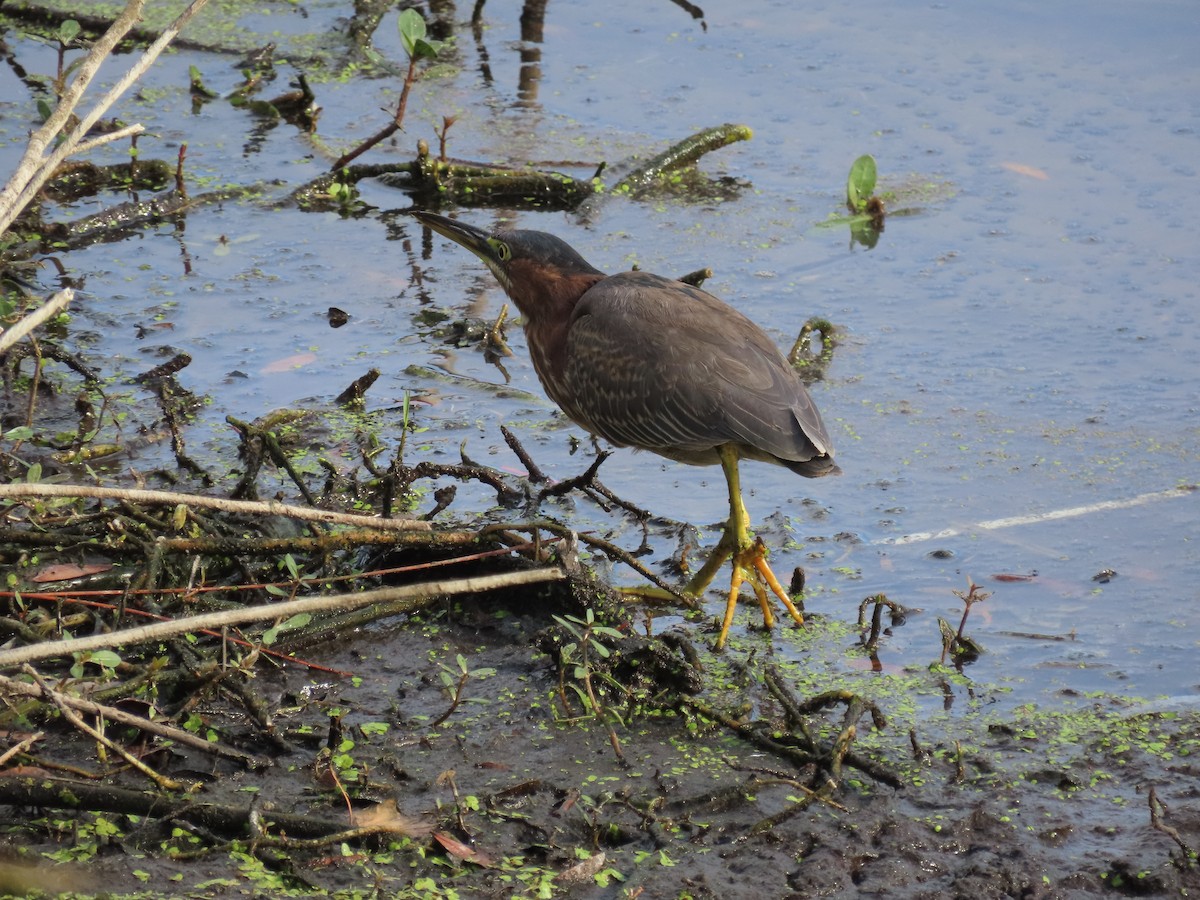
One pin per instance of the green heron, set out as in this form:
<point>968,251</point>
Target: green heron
<point>649,362</point>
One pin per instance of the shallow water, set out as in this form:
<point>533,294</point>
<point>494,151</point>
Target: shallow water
<point>1026,343</point>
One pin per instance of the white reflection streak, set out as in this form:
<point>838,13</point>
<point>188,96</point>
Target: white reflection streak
<point>1070,512</point>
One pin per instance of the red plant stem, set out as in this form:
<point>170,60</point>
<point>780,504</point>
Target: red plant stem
<point>388,130</point>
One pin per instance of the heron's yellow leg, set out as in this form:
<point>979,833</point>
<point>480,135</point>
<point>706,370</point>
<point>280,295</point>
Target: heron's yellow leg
<point>701,580</point>
<point>727,621</point>
<point>749,557</point>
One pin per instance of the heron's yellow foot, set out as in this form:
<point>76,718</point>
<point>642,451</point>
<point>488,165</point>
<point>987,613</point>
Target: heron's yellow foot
<point>750,566</point>
<point>748,554</point>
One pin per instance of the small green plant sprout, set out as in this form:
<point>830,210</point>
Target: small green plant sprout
<point>343,193</point>
<point>866,208</point>
<point>455,681</point>
<point>287,564</point>
<point>107,660</point>
<point>271,635</point>
<point>418,46</point>
<point>413,36</point>
<point>62,40</point>
<point>577,657</point>
<point>860,185</point>
<point>957,645</point>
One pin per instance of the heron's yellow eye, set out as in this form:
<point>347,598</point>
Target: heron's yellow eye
<point>501,248</point>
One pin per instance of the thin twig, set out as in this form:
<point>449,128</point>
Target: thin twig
<point>587,479</point>
<point>162,781</point>
<point>388,130</point>
<point>535,474</point>
<point>252,507</point>
<point>1157,809</point>
<point>112,713</point>
<point>47,310</point>
<point>128,131</point>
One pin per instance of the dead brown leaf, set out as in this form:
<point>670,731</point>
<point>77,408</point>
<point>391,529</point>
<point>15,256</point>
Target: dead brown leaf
<point>386,817</point>
<point>288,363</point>
<point>461,851</point>
<point>583,871</point>
<point>67,571</point>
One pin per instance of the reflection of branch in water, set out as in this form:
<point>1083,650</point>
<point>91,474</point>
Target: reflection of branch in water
<point>533,16</point>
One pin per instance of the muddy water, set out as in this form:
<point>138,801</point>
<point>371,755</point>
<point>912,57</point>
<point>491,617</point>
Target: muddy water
<point>1024,344</point>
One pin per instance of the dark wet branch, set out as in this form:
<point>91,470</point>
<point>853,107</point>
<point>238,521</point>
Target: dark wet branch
<point>81,178</point>
<point>1158,810</point>
<point>357,390</point>
<point>261,442</point>
<point>536,475</point>
<point>365,20</point>
<point>587,479</point>
<point>801,745</point>
<point>692,10</point>
<point>79,795</point>
<point>681,155</point>
<point>436,182</point>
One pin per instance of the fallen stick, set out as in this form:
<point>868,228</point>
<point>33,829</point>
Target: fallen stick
<point>418,594</point>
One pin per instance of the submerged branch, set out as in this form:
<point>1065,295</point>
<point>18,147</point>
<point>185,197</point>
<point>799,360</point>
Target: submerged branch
<point>681,155</point>
<point>437,181</point>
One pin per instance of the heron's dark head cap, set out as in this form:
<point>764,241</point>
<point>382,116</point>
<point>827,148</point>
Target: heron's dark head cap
<point>516,258</point>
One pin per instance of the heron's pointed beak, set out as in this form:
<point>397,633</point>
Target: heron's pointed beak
<point>474,239</point>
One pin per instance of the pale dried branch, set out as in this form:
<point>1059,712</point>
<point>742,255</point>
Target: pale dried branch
<point>162,781</point>
<point>47,310</point>
<point>40,491</point>
<point>23,746</point>
<point>36,168</point>
<point>414,594</point>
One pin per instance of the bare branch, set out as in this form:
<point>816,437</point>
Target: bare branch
<point>35,169</point>
<point>269,508</point>
<point>416,593</point>
<point>50,308</point>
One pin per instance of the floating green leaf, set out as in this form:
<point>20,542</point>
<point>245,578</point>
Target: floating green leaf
<point>861,183</point>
